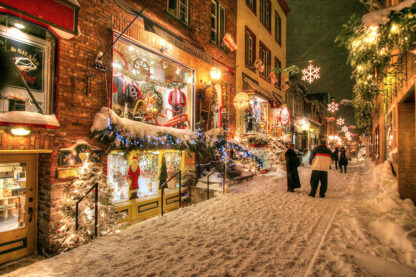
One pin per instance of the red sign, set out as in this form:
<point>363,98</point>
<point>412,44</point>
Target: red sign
<point>284,116</point>
<point>60,14</point>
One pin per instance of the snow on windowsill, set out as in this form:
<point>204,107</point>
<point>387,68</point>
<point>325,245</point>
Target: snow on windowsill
<point>381,17</point>
<point>29,118</point>
<point>135,128</point>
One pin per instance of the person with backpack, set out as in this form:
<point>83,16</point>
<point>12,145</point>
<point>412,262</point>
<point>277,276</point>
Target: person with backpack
<point>335,157</point>
<point>320,161</point>
<point>343,159</point>
<point>292,164</point>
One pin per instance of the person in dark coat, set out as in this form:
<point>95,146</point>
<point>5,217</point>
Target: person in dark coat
<point>292,164</point>
<point>335,157</point>
<point>343,159</point>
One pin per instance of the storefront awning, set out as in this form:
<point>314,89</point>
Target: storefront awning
<point>269,94</point>
<point>60,15</point>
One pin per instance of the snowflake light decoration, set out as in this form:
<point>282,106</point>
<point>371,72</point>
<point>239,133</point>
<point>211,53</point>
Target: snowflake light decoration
<point>345,129</point>
<point>310,73</point>
<point>340,121</point>
<point>333,107</point>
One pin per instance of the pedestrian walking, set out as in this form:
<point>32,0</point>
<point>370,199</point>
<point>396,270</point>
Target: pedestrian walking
<point>320,161</point>
<point>335,157</point>
<point>343,159</point>
<point>292,164</point>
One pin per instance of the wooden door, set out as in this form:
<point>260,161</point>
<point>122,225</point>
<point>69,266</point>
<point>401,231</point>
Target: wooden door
<point>18,206</point>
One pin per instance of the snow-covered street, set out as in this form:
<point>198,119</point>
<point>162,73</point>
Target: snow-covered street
<point>361,228</point>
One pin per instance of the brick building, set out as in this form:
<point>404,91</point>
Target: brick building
<point>393,126</point>
<point>55,43</point>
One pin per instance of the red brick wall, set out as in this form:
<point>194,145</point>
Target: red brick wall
<point>76,110</point>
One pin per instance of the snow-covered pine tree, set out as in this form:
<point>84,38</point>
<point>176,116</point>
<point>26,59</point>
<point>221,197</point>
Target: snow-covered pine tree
<point>64,236</point>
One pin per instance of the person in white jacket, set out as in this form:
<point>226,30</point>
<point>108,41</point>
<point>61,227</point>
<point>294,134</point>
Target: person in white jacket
<point>320,160</point>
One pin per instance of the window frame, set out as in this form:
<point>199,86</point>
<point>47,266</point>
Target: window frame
<point>253,50</point>
<point>177,13</point>
<point>263,5</point>
<point>220,29</point>
<point>278,35</point>
<point>278,63</point>
<point>254,9</point>
<point>267,62</point>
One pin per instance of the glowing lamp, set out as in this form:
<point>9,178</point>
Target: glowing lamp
<point>19,25</point>
<point>164,46</point>
<point>215,74</point>
<point>20,131</point>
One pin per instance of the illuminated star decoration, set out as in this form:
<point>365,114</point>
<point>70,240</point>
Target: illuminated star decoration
<point>345,129</point>
<point>340,121</point>
<point>333,107</point>
<point>310,73</point>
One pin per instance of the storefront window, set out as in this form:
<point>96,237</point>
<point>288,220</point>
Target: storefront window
<point>129,182</point>
<point>256,116</point>
<point>150,88</point>
<point>12,196</point>
<point>32,49</point>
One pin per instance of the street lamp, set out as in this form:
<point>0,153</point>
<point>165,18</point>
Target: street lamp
<point>215,74</point>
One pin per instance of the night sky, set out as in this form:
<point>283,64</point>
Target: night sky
<point>311,31</point>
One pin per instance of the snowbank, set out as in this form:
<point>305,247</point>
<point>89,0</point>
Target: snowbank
<point>29,118</point>
<point>135,128</point>
<point>381,17</point>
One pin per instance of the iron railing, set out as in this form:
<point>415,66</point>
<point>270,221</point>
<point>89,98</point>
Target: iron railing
<point>95,208</point>
<point>208,176</point>
<point>165,184</point>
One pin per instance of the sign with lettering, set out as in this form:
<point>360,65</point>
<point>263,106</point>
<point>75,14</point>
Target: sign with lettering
<point>29,60</point>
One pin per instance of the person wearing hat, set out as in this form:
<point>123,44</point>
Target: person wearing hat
<point>133,178</point>
<point>320,161</point>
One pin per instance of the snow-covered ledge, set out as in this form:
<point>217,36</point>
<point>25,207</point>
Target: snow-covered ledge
<point>135,128</point>
<point>28,119</point>
<point>381,17</point>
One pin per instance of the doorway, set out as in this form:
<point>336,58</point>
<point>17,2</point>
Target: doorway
<point>18,203</point>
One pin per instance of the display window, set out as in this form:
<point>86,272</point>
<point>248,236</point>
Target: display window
<point>151,88</point>
<point>12,196</point>
<point>137,175</point>
<point>32,49</point>
<point>257,116</point>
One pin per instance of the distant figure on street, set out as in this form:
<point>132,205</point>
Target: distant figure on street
<point>335,157</point>
<point>343,159</point>
<point>292,164</point>
<point>320,160</point>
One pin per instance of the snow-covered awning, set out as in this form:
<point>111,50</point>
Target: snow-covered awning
<point>381,17</point>
<point>28,119</point>
<point>136,129</point>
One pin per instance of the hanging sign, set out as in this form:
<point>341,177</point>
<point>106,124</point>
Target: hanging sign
<point>241,101</point>
<point>284,116</point>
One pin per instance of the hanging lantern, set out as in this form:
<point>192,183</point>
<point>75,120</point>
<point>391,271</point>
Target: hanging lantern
<point>310,73</point>
<point>241,101</point>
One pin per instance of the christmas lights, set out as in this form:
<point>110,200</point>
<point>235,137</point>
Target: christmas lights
<point>333,107</point>
<point>310,73</point>
<point>340,121</point>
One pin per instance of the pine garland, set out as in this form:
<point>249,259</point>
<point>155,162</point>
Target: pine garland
<point>372,51</point>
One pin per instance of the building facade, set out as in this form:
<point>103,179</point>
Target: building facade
<point>158,73</point>
<point>393,126</point>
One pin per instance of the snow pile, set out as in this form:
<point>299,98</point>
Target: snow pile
<point>135,128</point>
<point>381,17</point>
<point>29,118</point>
<point>213,134</point>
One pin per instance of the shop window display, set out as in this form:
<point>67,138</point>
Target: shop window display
<point>150,88</point>
<point>137,175</point>
<point>12,196</point>
<point>33,50</point>
<point>256,116</point>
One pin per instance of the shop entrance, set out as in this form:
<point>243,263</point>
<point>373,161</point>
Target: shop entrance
<point>17,206</point>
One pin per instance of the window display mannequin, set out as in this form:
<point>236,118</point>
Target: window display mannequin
<point>133,178</point>
<point>177,99</point>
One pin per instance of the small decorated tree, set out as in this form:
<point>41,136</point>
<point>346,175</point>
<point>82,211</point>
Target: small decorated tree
<point>64,235</point>
<point>163,172</point>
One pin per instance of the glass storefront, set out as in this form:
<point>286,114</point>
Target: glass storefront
<point>12,196</point>
<point>151,88</point>
<point>256,116</point>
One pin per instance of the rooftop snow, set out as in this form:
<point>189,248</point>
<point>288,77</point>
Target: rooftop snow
<point>381,17</point>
